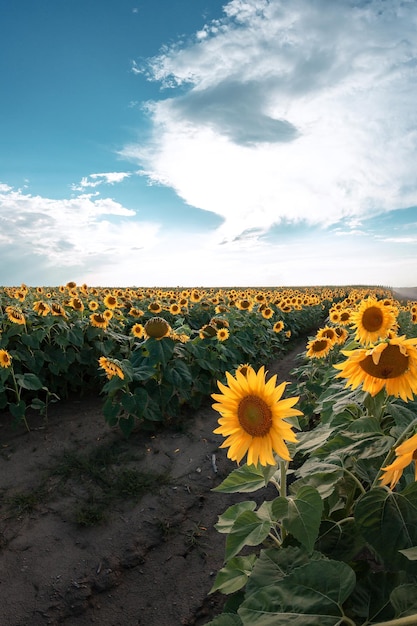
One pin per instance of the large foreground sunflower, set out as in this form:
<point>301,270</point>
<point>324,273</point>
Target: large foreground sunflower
<point>253,417</point>
<point>405,453</point>
<point>372,321</point>
<point>391,364</point>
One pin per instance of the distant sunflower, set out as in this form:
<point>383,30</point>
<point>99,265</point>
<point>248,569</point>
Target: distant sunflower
<point>93,305</point>
<point>406,453</point>
<point>138,331</point>
<point>57,310</point>
<point>108,314</point>
<point>157,328</point>
<point>222,334</point>
<point>110,301</point>
<point>267,313</point>
<point>155,307</point>
<point>207,331</point>
<point>77,304</point>
<point>98,320</point>
<point>328,332</point>
<point>318,348</point>
<point>41,308</point>
<point>15,315</point>
<point>5,359</point>
<point>278,326</point>
<point>244,368</point>
<point>134,312</point>
<point>341,334</point>
<point>253,417</point>
<point>111,367</point>
<point>391,365</point>
<point>372,321</point>
<point>175,308</point>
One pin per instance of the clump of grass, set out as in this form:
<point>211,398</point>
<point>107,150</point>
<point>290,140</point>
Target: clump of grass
<point>24,502</point>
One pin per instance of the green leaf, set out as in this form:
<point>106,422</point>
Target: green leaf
<point>246,479</point>
<point>387,520</point>
<point>226,619</point>
<point>28,381</point>
<point>126,425</point>
<point>160,351</point>
<point>228,518</point>
<point>311,595</point>
<point>234,575</point>
<point>304,516</point>
<point>410,553</point>
<point>248,530</point>
<point>322,476</point>
<point>404,600</point>
<point>18,410</point>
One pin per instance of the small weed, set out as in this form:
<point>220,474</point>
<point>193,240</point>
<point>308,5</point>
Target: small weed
<point>24,503</point>
<point>194,539</point>
<point>90,514</point>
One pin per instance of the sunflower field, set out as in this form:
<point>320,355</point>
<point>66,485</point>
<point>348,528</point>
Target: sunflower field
<point>152,353</point>
<point>337,545</point>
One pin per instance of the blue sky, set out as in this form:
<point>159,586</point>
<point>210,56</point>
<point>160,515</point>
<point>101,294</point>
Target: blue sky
<point>208,143</point>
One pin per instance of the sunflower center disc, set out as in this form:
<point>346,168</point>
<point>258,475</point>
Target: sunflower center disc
<point>372,319</point>
<point>254,416</point>
<point>392,364</point>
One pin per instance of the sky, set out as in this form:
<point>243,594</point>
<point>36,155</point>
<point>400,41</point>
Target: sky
<point>208,143</point>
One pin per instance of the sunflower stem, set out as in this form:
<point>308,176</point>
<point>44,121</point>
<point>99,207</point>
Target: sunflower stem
<point>283,490</point>
<point>408,620</point>
<point>391,453</point>
<point>355,479</point>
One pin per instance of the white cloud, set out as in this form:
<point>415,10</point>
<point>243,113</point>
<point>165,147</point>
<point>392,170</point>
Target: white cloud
<point>300,111</point>
<point>76,232</point>
<point>94,180</point>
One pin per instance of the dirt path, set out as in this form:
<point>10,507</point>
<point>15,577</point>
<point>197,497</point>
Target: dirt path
<point>95,529</point>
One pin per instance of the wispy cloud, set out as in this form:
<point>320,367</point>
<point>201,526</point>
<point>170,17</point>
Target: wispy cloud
<point>95,180</point>
<point>78,232</point>
<point>289,111</point>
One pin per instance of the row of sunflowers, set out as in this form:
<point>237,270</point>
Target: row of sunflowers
<point>338,544</point>
<point>151,352</point>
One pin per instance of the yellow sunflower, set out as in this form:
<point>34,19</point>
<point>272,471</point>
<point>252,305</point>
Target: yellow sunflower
<point>207,331</point>
<point>93,305</point>
<point>57,310</point>
<point>267,313</point>
<point>243,368</point>
<point>15,315</point>
<point>319,347</point>
<point>372,321</point>
<point>405,453</point>
<point>253,417</point>
<point>329,332</point>
<point>391,364</point>
<point>41,308</point>
<point>154,307</point>
<point>111,367</point>
<point>5,359</point>
<point>98,320</point>
<point>157,328</point>
<point>138,330</point>
<point>222,334</point>
<point>110,301</point>
<point>278,326</point>
<point>134,312</point>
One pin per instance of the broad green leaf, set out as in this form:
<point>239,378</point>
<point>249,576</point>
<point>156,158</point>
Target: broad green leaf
<point>126,425</point>
<point>304,516</point>
<point>160,351</point>
<point>403,415</point>
<point>246,479</point>
<point>410,553</point>
<point>228,518</point>
<point>387,520</point>
<point>311,595</point>
<point>339,541</point>
<point>143,372</point>
<point>273,565</point>
<point>322,476</point>
<point>404,600</point>
<point>234,575</point>
<point>29,381</point>
<point>248,530</point>
<point>18,409</point>
<point>226,619</point>
<point>370,599</point>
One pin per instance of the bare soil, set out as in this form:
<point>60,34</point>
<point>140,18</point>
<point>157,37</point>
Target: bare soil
<point>97,529</point>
